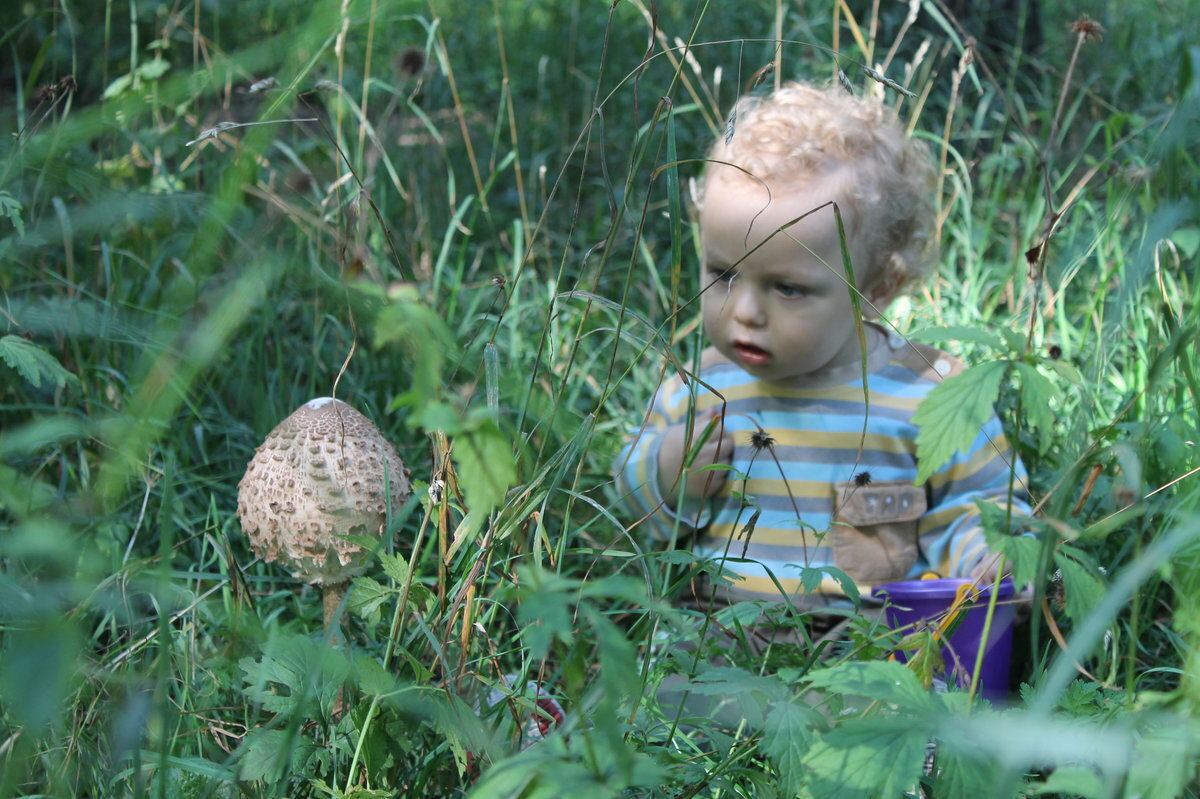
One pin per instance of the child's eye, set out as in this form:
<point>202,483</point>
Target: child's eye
<point>720,275</point>
<point>790,290</point>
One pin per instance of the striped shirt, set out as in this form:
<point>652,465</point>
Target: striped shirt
<point>836,485</point>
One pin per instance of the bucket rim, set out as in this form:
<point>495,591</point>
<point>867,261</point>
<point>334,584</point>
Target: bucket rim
<point>944,588</point>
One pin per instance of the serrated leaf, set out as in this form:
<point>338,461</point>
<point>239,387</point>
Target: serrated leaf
<point>787,735</point>
<point>1082,589</point>
<point>11,207</point>
<point>153,69</point>
<point>484,461</point>
<point>1037,395</point>
<point>272,754</point>
<point>886,681</point>
<point>1073,780</point>
<point>975,335</point>
<point>1015,339</point>
<point>372,678</point>
<point>1021,552</point>
<point>367,597</point>
<point>33,363</point>
<point>1164,761</point>
<point>293,674</point>
<point>731,680</point>
<point>867,757</point>
<point>395,567</point>
<point>952,413</point>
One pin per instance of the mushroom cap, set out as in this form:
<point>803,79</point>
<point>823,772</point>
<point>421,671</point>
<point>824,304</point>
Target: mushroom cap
<point>320,475</point>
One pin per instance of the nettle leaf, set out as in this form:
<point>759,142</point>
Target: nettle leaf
<point>1037,398</point>
<point>1074,780</point>
<point>886,681</point>
<point>1164,760</point>
<point>787,735</point>
<point>867,757</point>
<point>975,335</point>
<point>33,363</point>
<point>367,597</point>
<point>1082,587</point>
<point>964,766</point>
<point>273,754</point>
<point>395,567</point>
<point>293,673</point>
<point>486,469</point>
<point>951,414</point>
<point>1021,552</point>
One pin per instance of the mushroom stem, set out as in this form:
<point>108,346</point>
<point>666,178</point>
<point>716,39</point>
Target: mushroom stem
<point>331,596</point>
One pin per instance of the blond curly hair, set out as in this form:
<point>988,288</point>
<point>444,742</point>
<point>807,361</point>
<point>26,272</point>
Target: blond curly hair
<point>802,131</point>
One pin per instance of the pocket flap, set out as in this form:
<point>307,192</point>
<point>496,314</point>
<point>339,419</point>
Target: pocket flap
<point>880,503</point>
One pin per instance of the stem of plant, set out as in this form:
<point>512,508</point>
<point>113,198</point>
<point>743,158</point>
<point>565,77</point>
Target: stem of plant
<point>390,649</point>
<point>987,632</point>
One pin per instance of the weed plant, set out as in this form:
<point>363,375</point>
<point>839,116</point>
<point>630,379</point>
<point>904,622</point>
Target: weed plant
<point>472,222</point>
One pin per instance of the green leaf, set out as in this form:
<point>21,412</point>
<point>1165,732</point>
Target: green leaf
<point>1037,398</point>
<point>293,673</point>
<point>1021,552</point>
<point>395,567</point>
<point>867,757</point>
<point>153,69</point>
<point>117,87</point>
<point>11,207</point>
<point>787,735</point>
<point>372,678</point>
<point>886,681</point>
<point>1082,588</point>
<point>1074,780</point>
<point>952,414</point>
<point>975,335</point>
<point>965,767</point>
<point>33,363</point>
<point>486,468</point>
<point>1164,761</point>
<point>367,597</point>
<point>274,754</point>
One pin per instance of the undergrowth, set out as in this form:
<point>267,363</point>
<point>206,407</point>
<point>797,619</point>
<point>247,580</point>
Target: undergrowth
<point>473,224</point>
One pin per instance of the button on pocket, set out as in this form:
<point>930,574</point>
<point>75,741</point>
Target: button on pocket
<point>875,529</point>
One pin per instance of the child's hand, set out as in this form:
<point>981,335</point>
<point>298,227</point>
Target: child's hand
<point>698,484</point>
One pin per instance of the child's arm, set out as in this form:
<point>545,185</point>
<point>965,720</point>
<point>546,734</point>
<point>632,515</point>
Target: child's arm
<point>950,532</point>
<point>650,466</point>
<point>699,484</point>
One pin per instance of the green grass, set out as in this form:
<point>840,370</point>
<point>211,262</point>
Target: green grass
<point>500,248</point>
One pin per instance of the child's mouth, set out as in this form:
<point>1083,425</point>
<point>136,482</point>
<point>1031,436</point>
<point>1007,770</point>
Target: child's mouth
<point>750,354</point>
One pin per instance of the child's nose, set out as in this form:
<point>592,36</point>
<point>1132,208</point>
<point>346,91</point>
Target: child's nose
<point>747,306</point>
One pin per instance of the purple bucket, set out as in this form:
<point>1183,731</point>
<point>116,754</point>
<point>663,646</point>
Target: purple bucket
<point>911,601</point>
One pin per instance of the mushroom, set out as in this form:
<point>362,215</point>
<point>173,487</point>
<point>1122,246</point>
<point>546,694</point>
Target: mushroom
<point>323,473</point>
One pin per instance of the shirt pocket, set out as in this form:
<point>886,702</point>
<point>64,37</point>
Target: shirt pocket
<point>875,529</point>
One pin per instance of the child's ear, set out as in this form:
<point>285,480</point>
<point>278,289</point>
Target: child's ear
<point>885,287</point>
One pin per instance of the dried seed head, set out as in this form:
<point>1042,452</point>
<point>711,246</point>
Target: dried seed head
<point>862,479</point>
<point>1088,28</point>
<point>67,83</point>
<point>45,94</point>
<point>412,61</point>
<point>761,439</point>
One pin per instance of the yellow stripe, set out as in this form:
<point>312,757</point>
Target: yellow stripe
<point>791,537</point>
<point>847,441</point>
<point>961,471</point>
<point>764,585</point>
<point>753,390</point>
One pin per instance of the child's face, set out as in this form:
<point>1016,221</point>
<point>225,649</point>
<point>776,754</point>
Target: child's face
<point>783,312</point>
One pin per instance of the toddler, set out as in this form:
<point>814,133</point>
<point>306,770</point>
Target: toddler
<point>809,406</point>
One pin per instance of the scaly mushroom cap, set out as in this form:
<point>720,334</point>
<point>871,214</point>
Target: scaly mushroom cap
<point>317,477</point>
